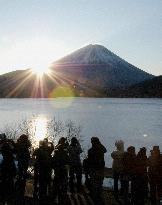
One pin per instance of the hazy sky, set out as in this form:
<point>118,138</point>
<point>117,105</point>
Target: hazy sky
<point>34,33</point>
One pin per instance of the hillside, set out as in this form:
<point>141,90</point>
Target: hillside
<point>92,71</point>
<point>147,89</point>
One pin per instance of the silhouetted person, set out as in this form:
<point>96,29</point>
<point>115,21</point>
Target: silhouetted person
<point>60,161</point>
<point>49,147</point>
<point>74,151</point>
<point>8,169</point>
<point>42,170</point>
<point>117,165</point>
<point>140,189</point>
<point>23,156</point>
<point>129,165</point>
<point>155,172</point>
<point>96,165</point>
<point>63,141</point>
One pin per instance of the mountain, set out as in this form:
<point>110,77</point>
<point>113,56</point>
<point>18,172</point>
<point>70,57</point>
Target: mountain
<point>90,71</point>
<point>16,84</point>
<point>148,89</point>
<point>96,66</point>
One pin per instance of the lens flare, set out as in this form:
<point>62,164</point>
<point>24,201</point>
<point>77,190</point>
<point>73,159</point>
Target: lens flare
<point>66,93</point>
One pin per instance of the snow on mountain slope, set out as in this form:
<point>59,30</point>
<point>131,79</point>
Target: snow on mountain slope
<point>98,65</point>
<point>91,54</point>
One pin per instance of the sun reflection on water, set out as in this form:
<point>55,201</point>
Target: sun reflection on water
<point>39,126</point>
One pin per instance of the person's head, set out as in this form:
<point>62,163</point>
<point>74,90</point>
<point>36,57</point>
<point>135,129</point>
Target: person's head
<point>156,148</point>
<point>120,145</point>
<point>74,141</point>
<point>23,138</point>
<point>45,141</point>
<point>62,140</point>
<point>95,141</point>
<point>143,151</point>
<point>131,150</point>
<point>155,152</point>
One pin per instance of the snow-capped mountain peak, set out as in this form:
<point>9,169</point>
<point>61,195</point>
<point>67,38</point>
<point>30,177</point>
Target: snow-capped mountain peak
<point>100,66</point>
<point>91,54</point>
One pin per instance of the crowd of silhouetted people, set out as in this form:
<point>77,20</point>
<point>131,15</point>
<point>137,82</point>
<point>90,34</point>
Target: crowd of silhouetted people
<point>140,176</point>
<point>58,170</point>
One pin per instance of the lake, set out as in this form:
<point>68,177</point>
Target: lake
<point>137,122</point>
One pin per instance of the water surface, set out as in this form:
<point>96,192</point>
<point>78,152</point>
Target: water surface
<point>137,121</point>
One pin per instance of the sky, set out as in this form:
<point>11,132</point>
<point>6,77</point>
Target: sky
<point>35,33</point>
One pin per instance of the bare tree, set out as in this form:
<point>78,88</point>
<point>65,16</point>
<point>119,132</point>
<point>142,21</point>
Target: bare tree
<point>55,130</point>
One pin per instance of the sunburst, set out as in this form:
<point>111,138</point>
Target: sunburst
<point>40,71</point>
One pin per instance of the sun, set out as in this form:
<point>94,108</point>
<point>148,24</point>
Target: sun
<point>40,71</point>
